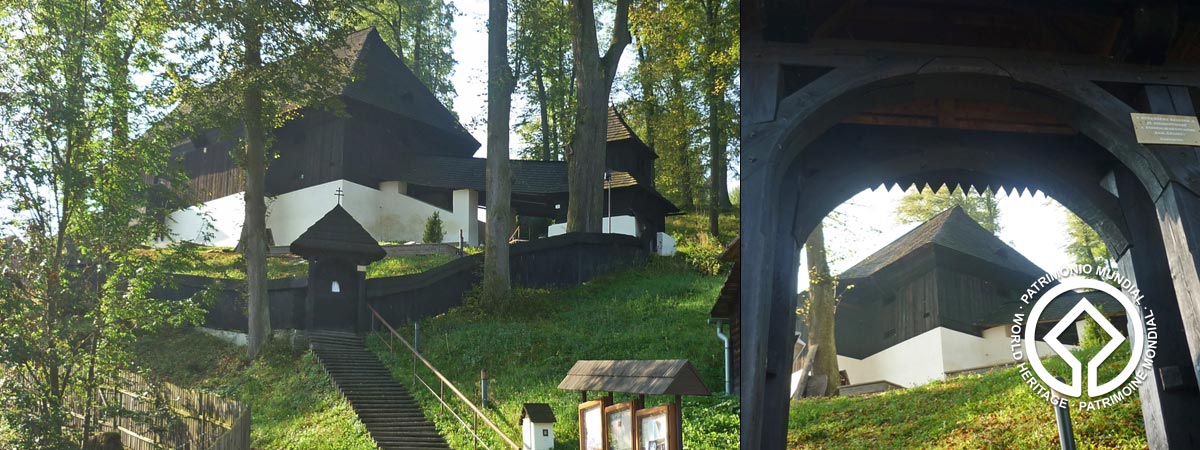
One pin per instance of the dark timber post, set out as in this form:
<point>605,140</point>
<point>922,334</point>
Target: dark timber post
<point>1178,207</point>
<point>362,315</point>
<point>1168,411</point>
<point>310,296</point>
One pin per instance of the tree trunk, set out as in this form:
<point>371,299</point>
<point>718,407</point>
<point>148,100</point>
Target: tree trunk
<point>715,99</point>
<point>821,308</point>
<point>254,245</point>
<point>593,82</point>
<point>649,109</point>
<point>716,155</point>
<point>499,180</point>
<point>543,109</point>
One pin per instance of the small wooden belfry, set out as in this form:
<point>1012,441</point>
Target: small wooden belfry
<point>338,251</point>
<point>630,425</point>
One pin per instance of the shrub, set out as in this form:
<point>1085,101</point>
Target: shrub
<point>1092,335</point>
<point>702,253</point>
<point>434,230</point>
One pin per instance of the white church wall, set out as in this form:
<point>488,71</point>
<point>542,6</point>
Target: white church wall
<point>930,355</point>
<point>217,222</point>
<point>388,216</point>
<point>913,362</point>
<point>620,225</point>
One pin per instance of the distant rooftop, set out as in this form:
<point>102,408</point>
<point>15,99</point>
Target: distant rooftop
<point>952,229</point>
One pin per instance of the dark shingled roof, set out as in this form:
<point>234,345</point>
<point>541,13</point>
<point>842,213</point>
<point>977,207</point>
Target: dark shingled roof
<point>381,79</point>
<point>374,75</point>
<point>952,229</point>
<point>338,234</point>
<point>538,412</point>
<point>619,130</point>
<point>1055,311</point>
<point>649,377</point>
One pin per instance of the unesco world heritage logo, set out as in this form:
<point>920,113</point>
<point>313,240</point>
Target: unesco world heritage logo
<point>1094,282</point>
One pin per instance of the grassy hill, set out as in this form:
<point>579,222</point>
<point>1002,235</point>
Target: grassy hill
<point>293,403</point>
<point>994,410</point>
<point>656,312</point>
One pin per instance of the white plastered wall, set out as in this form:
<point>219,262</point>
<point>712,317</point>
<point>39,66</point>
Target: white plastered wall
<point>913,362</point>
<point>387,214</point>
<point>620,225</point>
<point>930,355</point>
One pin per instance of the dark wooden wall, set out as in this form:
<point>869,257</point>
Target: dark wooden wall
<point>377,141</point>
<point>566,260</point>
<point>310,152</point>
<point>964,299</point>
<point>212,170</point>
<point>630,156</point>
<point>360,143</point>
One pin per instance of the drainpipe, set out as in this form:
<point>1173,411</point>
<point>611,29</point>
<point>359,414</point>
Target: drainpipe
<point>725,340</point>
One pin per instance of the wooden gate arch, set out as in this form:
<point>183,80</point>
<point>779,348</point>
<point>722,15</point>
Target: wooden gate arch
<point>800,161</point>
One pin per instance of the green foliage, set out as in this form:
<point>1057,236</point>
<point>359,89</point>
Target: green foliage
<point>702,253</point>
<point>76,199</point>
<point>993,410</point>
<point>434,230</point>
<point>487,299</point>
<point>228,264</point>
<point>542,46</point>
<point>685,87</point>
<point>1084,245</point>
<point>421,32</point>
<point>294,405</point>
<point>920,206</point>
<point>696,246</point>
<point>297,64</point>
<point>1092,334</point>
<point>685,227</point>
<point>656,312</point>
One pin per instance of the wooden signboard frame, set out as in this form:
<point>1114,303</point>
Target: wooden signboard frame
<point>669,414</point>
<point>585,432</point>
<point>631,407</point>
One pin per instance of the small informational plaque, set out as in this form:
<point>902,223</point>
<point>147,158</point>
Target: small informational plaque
<point>1166,129</point>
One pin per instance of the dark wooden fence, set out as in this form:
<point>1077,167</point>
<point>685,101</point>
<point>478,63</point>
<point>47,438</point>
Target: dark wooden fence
<point>228,309</point>
<point>565,260</point>
<point>160,416</point>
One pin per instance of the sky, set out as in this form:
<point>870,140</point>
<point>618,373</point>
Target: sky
<point>1033,224</point>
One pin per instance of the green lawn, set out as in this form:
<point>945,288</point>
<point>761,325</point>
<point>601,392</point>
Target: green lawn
<point>226,263</point>
<point>994,410</point>
<point>293,403</point>
<point>656,312</point>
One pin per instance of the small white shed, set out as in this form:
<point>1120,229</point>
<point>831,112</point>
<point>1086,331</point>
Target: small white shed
<point>537,426</point>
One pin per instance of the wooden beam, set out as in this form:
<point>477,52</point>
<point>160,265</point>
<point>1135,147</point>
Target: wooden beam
<point>843,53</point>
<point>1168,410</point>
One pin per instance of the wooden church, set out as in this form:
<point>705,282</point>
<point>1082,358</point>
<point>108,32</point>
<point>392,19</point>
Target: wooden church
<point>399,156</point>
<point>938,301</point>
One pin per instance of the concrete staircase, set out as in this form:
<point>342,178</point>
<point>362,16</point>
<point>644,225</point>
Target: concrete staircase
<point>391,415</point>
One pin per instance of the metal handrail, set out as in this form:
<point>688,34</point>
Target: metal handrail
<point>445,382</point>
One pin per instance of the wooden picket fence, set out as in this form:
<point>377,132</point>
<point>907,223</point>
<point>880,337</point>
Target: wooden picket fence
<point>164,416</point>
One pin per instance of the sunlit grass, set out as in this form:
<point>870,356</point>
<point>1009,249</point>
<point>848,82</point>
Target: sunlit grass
<point>656,312</point>
<point>228,264</point>
<point>994,410</point>
<point>293,403</point>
